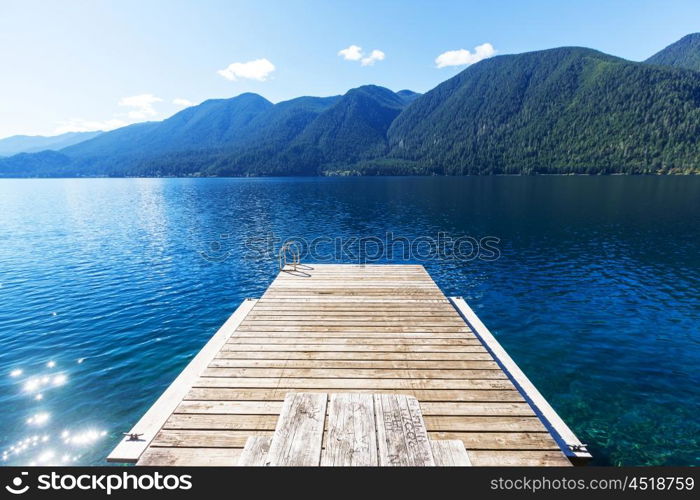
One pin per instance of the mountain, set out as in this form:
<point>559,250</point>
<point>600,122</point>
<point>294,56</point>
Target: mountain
<point>354,127</point>
<point>685,53</point>
<point>210,125</point>
<point>565,110</point>
<point>408,96</point>
<point>325,134</point>
<point>244,135</point>
<point>34,143</point>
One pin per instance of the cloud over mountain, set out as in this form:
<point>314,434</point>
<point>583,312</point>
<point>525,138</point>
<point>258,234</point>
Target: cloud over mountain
<point>259,69</point>
<point>463,57</point>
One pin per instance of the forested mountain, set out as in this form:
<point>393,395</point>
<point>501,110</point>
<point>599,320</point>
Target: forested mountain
<point>564,110</point>
<point>554,111</point>
<point>210,125</point>
<point>35,143</point>
<point>685,53</point>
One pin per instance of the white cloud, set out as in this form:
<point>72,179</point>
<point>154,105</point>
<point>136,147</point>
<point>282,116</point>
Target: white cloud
<point>259,70</point>
<point>376,55</point>
<point>141,108</point>
<point>185,103</point>
<point>81,125</point>
<point>463,57</point>
<point>142,105</point>
<point>354,53</point>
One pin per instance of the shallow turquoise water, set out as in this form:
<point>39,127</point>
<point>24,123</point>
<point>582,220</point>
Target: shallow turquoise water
<point>105,294</point>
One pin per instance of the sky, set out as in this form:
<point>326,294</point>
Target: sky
<point>78,65</point>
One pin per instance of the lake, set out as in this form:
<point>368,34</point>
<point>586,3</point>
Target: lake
<point>109,286</point>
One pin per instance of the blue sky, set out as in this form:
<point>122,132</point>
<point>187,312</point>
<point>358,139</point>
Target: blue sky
<point>78,65</point>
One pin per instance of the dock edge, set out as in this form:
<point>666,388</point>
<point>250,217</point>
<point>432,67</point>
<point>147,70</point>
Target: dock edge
<point>569,444</point>
<point>129,450</point>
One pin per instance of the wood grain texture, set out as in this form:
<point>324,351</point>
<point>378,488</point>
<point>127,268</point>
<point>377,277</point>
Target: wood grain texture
<point>401,432</point>
<point>299,431</point>
<point>449,453</point>
<point>352,435</point>
<point>255,451</point>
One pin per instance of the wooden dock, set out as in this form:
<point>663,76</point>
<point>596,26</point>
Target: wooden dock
<point>352,329</point>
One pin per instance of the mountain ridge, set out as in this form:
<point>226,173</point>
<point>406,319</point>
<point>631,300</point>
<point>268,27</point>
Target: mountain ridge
<point>684,53</point>
<point>562,110</point>
<point>17,144</point>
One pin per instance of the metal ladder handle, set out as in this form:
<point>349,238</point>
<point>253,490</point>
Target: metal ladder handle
<point>292,249</point>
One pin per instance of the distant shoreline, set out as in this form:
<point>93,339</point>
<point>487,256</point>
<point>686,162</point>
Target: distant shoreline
<point>615,174</point>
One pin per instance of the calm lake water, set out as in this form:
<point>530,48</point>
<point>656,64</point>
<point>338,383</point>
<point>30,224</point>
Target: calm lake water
<point>105,293</point>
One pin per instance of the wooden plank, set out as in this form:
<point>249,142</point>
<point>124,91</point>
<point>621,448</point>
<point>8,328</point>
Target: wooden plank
<point>517,458</point>
<point>129,450</point>
<point>476,409</point>
<point>352,437</point>
<point>299,431</point>
<point>449,453</point>
<point>372,373</point>
<point>277,394</point>
<point>484,424</point>
<point>204,421</point>
<point>350,384</point>
<point>478,440</point>
<point>350,341</point>
<point>570,444</point>
<point>353,363</point>
<point>401,434</point>
<point>359,356</point>
<point>369,329</point>
<point>231,407</point>
<point>255,451</point>
<point>427,408</point>
<point>190,457</point>
<point>474,440</point>
<point>203,438</point>
<point>312,336</point>
<point>349,348</point>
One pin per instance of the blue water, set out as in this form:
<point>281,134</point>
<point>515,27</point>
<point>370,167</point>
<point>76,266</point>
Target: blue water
<point>105,294</point>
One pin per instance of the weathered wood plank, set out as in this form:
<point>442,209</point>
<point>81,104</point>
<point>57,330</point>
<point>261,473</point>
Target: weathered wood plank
<point>205,421</point>
<point>349,348</point>
<point>449,453</point>
<point>427,408</point>
<point>401,434</point>
<point>277,394</point>
<point>299,431</point>
<point>352,373</point>
<point>190,457</point>
<point>357,335</point>
<point>350,384</point>
<point>255,451</point>
<point>351,341</point>
<point>355,355</point>
<point>517,458</point>
<point>202,438</point>
<point>353,363</point>
<point>347,328</point>
<point>352,437</point>
<point>475,440</point>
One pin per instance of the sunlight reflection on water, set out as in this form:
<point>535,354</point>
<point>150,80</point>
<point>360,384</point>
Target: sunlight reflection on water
<point>50,446</point>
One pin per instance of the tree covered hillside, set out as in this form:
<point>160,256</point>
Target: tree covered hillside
<point>556,111</point>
